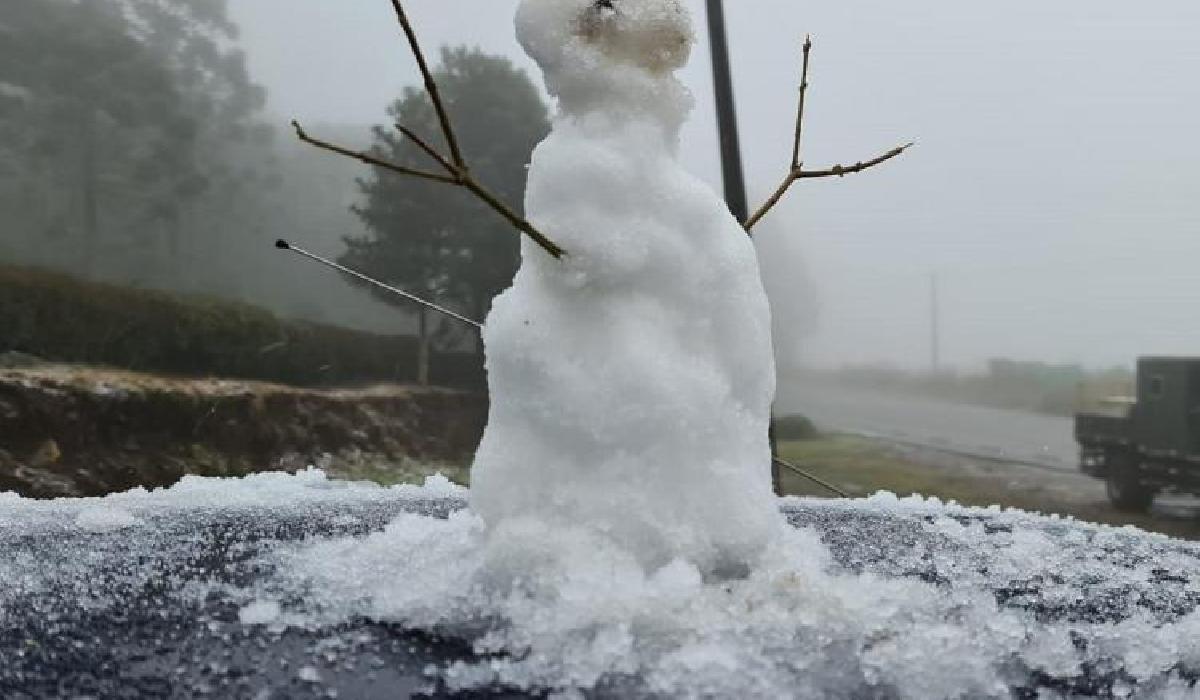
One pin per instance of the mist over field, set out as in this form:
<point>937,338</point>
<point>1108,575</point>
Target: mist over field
<point>1052,188</point>
<point>1051,191</point>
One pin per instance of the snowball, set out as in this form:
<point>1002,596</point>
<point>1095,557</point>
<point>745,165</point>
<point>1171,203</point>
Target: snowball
<point>102,520</point>
<point>260,612</point>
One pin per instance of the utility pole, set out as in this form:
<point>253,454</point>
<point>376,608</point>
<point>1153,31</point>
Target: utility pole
<point>731,155</point>
<point>727,122</point>
<point>935,326</point>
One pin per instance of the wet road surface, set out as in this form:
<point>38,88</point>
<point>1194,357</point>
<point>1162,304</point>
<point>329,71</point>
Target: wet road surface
<point>1013,436</point>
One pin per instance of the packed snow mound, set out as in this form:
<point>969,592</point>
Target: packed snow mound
<point>913,599</point>
<point>884,598</point>
<point>631,382</point>
<point>259,492</point>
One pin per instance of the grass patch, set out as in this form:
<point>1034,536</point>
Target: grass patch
<point>392,473</point>
<point>862,467</point>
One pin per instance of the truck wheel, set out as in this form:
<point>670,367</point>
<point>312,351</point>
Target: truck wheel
<point>1125,491</point>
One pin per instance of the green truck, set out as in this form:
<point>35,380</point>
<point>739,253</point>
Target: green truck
<point>1150,443</point>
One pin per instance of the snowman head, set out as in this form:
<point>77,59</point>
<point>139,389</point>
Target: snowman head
<point>572,39</point>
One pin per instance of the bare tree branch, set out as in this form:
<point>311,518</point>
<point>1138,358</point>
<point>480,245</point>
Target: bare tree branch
<point>457,172</point>
<point>430,84</point>
<point>429,150</point>
<point>800,110</point>
<point>367,158</point>
<point>835,171</point>
<point>504,210</point>
<point>844,170</point>
<point>797,171</point>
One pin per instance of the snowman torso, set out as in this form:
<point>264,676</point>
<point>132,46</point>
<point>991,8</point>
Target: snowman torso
<point>631,382</point>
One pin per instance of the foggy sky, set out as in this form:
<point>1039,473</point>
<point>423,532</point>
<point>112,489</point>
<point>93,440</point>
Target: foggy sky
<point>1054,189</point>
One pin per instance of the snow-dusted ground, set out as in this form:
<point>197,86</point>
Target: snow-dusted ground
<point>296,585</point>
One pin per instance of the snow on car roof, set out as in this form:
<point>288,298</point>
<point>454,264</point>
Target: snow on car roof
<point>886,597</point>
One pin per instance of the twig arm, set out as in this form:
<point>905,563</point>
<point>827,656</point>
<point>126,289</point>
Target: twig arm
<point>367,158</point>
<point>771,202</point>
<point>836,171</point>
<point>800,110</point>
<point>456,171</point>
<point>844,170</point>
<point>429,150</point>
<point>430,84</point>
<point>520,223</point>
<point>797,171</point>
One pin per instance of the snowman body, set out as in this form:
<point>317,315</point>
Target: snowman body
<point>631,382</point>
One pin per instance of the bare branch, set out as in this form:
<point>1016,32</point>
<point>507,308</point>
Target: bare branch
<point>800,110</point>
<point>797,171</point>
<point>429,150</point>
<point>770,203</point>
<point>430,84</point>
<point>457,172</point>
<point>367,158</point>
<point>835,171</point>
<point>463,178</point>
<point>844,170</point>
<point>458,177</point>
<point>504,210</point>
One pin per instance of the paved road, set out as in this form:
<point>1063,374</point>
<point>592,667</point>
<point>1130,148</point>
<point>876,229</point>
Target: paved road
<point>1011,435</point>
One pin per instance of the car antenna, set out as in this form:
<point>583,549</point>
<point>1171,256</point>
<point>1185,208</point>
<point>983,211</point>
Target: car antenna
<point>284,245</point>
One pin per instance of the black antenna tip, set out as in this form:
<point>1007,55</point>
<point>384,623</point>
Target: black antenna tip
<point>283,245</point>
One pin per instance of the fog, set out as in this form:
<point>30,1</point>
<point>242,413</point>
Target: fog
<point>1052,192</point>
<point>1053,189</point>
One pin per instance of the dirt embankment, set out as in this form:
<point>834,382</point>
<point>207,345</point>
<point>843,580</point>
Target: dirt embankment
<point>70,431</point>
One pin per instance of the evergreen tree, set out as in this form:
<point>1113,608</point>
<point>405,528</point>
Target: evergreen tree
<point>439,241</point>
<point>121,120</point>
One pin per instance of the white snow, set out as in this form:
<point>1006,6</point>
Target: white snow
<point>264,491</point>
<point>910,606</point>
<point>631,382</point>
<point>622,537</point>
<point>260,612</point>
<point>104,519</point>
<point>569,610</point>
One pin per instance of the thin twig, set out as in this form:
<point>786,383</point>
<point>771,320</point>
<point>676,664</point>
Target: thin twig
<point>367,158</point>
<point>457,172</point>
<point>771,202</point>
<point>457,177</point>
<point>430,84</point>
<point>504,210</point>
<point>800,110</point>
<point>811,477</point>
<point>844,170</point>
<point>430,150</point>
<point>835,171</point>
<point>797,171</point>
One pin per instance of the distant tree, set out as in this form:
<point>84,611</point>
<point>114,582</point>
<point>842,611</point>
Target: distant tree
<point>119,118</point>
<point>436,240</point>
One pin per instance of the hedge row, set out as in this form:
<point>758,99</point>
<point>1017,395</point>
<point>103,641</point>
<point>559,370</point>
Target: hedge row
<point>60,318</point>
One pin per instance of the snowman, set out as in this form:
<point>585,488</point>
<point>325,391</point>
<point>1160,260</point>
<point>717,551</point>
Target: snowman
<point>631,382</point>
